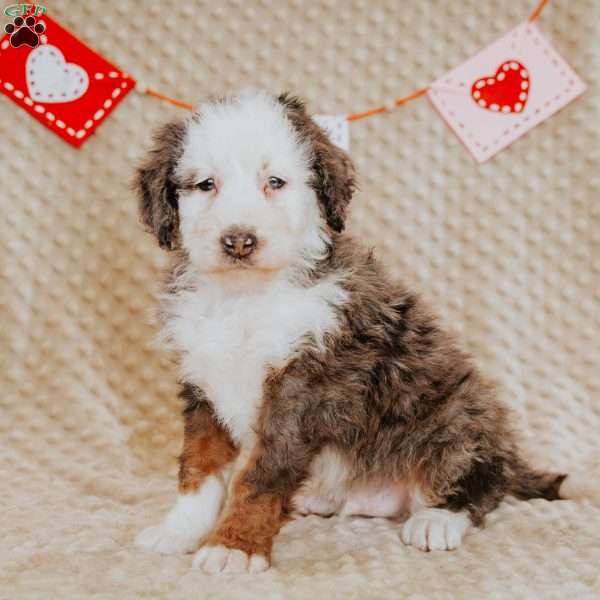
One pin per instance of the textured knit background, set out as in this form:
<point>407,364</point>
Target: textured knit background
<point>509,252</point>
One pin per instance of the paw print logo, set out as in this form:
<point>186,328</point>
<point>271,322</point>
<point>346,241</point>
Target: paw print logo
<point>24,32</point>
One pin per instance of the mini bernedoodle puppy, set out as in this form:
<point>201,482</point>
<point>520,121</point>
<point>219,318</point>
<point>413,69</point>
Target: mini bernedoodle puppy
<point>336,387</point>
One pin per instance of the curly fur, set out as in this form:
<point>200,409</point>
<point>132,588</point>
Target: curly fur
<point>365,394</point>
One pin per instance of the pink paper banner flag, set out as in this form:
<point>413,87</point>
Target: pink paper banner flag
<point>504,91</point>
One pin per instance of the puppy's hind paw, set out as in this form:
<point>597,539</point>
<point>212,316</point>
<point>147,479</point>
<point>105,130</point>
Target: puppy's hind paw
<point>314,505</point>
<point>220,559</point>
<point>165,540</point>
<point>435,529</point>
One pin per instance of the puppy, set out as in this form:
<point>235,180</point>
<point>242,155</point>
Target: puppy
<point>336,386</point>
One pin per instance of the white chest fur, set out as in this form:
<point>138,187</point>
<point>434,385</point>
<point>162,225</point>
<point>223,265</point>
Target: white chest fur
<point>227,341</point>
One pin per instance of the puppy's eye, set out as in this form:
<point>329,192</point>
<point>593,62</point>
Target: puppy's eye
<point>275,183</point>
<point>207,185</point>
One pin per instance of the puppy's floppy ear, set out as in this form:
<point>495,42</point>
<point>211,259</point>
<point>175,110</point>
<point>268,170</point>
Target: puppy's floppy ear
<point>157,191</point>
<point>334,182</point>
<point>334,175</point>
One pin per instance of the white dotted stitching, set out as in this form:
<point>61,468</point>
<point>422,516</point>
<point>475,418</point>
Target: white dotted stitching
<point>492,80</point>
<point>526,118</point>
<point>51,117</point>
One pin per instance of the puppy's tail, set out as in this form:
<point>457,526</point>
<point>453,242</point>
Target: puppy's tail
<point>530,483</point>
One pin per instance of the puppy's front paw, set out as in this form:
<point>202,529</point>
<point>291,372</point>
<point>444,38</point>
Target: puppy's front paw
<point>188,523</point>
<point>435,529</point>
<point>220,559</point>
<point>165,540</point>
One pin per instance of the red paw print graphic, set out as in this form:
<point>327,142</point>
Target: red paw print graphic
<point>24,32</point>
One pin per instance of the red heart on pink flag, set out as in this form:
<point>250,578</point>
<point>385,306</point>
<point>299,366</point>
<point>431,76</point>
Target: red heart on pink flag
<point>506,92</point>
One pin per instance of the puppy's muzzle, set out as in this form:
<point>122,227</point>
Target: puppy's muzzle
<point>239,244</point>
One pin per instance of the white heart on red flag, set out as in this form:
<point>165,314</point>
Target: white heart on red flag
<point>64,84</point>
<point>50,78</point>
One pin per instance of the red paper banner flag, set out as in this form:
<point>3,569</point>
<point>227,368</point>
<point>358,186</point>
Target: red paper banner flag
<point>59,80</point>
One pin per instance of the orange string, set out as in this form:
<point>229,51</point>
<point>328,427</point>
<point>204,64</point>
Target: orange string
<point>381,109</point>
<point>537,11</point>
<point>174,101</point>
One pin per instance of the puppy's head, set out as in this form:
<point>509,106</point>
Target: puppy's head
<point>246,182</point>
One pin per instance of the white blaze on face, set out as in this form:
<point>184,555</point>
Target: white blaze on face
<point>240,143</point>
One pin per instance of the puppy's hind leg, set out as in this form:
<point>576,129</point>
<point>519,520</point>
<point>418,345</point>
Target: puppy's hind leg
<point>325,489</point>
<point>442,523</point>
<point>435,528</point>
<point>205,465</point>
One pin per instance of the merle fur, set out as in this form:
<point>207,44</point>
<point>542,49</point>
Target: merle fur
<point>392,391</point>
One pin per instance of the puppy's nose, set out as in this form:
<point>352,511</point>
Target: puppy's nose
<point>240,244</point>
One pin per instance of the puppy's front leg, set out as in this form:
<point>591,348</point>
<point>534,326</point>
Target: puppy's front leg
<point>204,471</point>
<point>244,536</point>
<point>259,497</point>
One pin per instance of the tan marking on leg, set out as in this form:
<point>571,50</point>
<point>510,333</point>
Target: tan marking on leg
<point>207,448</point>
<point>250,521</point>
<point>203,476</point>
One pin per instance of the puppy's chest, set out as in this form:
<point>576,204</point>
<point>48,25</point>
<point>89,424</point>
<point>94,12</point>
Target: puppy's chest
<point>227,344</point>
